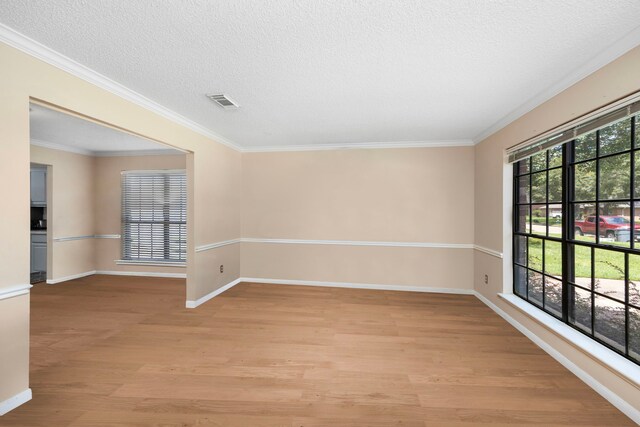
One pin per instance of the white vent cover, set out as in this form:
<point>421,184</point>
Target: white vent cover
<point>224,101</point>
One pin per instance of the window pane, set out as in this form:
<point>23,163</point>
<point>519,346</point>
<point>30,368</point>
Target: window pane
<point>585,147</point>
<point>635,232</point>
<point>585,181</point>
<point>539,187</point>
<point>634,279</point>
<point>615,227</point>
<point>582,265</point>
<point>523,219</point>
<point>539,161</point>
<point>636,178</point>
<point>535,287</point>
<point>615,175</point>
<point>535,253</point>
<point>609,273</point>
<point>580,308</point>
<point>615,137</point>
<point>584,223</point>
<point>554,221</point>
<point>634,333</point>
<point>553,296</point>
<point>609,322</point>
<point>521,250</point>
<point>523,189</point>
<point>523,166</point>
<point>555,156</point>
<point>520,285</point>
<point>553,258</point>
<point>555,185</point>
<point>539,219</point>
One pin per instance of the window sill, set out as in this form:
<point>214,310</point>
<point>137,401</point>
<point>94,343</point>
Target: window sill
<point>618,364</point>
<point>152,263</point>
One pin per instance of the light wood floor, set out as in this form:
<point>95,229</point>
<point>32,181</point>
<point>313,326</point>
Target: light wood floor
<point>123,351</point>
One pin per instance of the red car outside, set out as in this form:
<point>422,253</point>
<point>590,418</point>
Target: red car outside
<point>608,225</point>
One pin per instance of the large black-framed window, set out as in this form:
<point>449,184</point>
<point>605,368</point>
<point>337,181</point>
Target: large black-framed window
<point>576,234</point>
<point>154,216</point>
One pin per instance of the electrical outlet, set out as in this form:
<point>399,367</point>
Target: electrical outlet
<point>486,279</point>
<point>221,268</point>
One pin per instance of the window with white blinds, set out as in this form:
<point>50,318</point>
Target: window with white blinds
<point>154,216</point>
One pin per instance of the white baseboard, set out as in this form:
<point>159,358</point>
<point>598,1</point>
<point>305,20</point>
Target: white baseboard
<point>143,274</point>
<point>373,286</point>
<point>207,297</point>
<point>118,273</point>
<point>199,301</point>
<point>15,401</point>
<point>72,277</point>
<point>624,406</point>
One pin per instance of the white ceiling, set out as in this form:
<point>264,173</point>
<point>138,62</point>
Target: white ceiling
<point>337,71</point>
<point>62,131</point>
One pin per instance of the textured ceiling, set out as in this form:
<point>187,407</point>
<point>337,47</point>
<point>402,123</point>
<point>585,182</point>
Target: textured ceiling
<point>332,71</point>
<point>60,130</point>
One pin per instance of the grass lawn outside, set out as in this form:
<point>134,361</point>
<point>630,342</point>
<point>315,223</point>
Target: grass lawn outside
<point>608,264</point>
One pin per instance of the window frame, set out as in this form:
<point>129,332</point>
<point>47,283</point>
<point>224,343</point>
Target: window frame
<point>567,237</point>
<point>167,260</point>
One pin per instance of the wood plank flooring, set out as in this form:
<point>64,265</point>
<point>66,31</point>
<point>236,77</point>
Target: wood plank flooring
<point>121,351</point>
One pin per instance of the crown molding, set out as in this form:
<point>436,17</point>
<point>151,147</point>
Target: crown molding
<point>60,147</point>
<point>33,48</point>
<point>361,146</point>
<point>36,49</point>
<point>614,51</point>
<point>135,153</point>
<point>82,151</point>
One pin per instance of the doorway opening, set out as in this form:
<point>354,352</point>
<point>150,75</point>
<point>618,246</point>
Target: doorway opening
<point>103,201</point>
<point>38,225</point>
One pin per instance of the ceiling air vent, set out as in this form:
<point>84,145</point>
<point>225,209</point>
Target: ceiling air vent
<point>224,101</point>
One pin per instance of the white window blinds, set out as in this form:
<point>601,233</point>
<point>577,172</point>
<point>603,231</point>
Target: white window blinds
<point>154,216</point>
<point>573,130</point>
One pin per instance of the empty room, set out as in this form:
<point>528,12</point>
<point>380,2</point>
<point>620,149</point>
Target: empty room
<point>320,213</point>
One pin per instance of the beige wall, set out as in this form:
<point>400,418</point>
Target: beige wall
<point>217,218</point>
<point>216,173</point>
<point>70,211</point>
<point>14,351</point>
<point>610,83</point>
<point>409,195</point>
<point>108,199</point>
<point>376,265</point>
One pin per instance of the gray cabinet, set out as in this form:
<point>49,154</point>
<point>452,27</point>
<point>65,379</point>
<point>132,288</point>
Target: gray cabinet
<point>38,253</point>
<point>38,187</point>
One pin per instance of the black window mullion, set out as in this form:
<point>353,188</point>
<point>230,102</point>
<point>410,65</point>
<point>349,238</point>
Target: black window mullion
<point>543,242</point>
<point>632,207</point>
<point>567,228</point>
<point>593,288</point>
<point>597,212</point>
<point>626,303</point>
<point>546,206</point>
<point>515,218</point>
